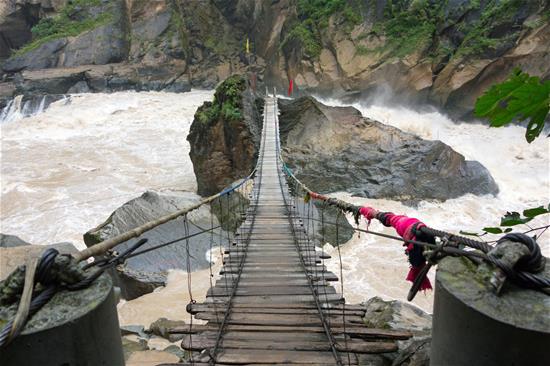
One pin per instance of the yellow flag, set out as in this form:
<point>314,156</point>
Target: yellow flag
<point>247,46</point>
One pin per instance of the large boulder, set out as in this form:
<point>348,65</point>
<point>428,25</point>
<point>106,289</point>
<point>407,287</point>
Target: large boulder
<point>143,273</point>
<point>336,149</point>
<point>397,315</point>
<point>104,37</point>
<point>225,136</point>
<point>11,241</point>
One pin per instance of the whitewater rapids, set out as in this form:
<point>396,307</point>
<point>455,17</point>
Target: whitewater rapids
<point>65,170</point>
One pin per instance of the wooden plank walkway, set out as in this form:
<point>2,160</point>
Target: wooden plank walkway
<point>284,309</point>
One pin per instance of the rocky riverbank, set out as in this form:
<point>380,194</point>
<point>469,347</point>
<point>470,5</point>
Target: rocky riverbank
<point>444,54</point>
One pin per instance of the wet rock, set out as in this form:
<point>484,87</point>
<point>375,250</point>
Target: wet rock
<point>143,273</point>
<point>42,57</point>
<point>398,315</point>
<point>176,351</point>
<point>132,329</point>
<point>13,256</point>
<point>151,358</point>
<point>162,326</point>
<point>335,149</point>
<point>10,241</point>
<point>130,346</point>
<point>225,136</point>
<point>79,87</point>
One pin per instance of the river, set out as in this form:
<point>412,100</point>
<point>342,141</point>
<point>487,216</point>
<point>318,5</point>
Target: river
<point>63,171</point>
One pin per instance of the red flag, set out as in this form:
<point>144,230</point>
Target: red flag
<point>290,87</point>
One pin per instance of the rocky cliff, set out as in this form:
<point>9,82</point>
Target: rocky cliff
<point>440,52</point>
<point>225,136</point>
<point>336,149</point>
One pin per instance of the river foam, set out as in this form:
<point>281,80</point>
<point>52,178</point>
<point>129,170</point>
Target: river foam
<point>65,170</point>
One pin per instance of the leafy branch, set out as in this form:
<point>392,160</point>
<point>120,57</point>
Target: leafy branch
<point>513,219</point>
<point>520,98</point>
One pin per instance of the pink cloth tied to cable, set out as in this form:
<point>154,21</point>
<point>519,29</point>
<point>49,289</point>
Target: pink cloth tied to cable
<point>404,225</point>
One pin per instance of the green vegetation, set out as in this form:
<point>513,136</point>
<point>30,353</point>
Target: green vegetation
<point>410,27</point>
<point>227,101</point>
<point>73,20</point>
<point>520,98</point>
<point>479,36</point>
<point>512,219</point>
<point>313,17</point>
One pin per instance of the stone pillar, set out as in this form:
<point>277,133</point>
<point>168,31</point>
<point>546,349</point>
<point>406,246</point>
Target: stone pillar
<point>474,326</point>
<point>73,329</point>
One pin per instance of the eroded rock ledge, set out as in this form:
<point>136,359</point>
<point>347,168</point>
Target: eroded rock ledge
<point>335,149</point>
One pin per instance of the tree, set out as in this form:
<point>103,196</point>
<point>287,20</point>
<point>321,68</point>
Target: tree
<point>520,98</point>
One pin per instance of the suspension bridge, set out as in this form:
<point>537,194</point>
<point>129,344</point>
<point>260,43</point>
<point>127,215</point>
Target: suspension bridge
<point>274,301</point>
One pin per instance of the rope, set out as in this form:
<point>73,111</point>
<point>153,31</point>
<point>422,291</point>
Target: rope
<point>524,278</point>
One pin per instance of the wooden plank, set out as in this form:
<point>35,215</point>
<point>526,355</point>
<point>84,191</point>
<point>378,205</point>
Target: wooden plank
<point>276,299</point>
<point>236,356</point>
<point>221,310</point>
<point>283,306</point>
<point>352,330</point>
<point>268,291</point>
<point>303,320</point>
<point>201,342</point>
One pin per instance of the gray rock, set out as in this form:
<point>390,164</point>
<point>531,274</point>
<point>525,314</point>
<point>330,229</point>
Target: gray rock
<point>335,149</point>
<point>132,329</point>
<point>100,46</point>
<point>398,315</point>
<point>51,81</point>
<point>175,350</point>
<point>15,256</point>
<point>10,241</point>
<point>151,28</point>
<point>224,150</point>
<point>143,273</point>
<point>162,326</point>
<point>79,87</point>
<point>395,314</point>
<point>42,57</point>
<point>130,346</point>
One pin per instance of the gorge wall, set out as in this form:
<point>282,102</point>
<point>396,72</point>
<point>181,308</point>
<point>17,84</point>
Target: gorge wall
<point>444,53</point>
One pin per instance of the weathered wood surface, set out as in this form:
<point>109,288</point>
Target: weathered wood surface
<point>273,316</point>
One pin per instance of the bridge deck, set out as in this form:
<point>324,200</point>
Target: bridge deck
<point>284,309</point>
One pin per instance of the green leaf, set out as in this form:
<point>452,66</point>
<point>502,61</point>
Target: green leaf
<point>493,230</point>
<point>468,233</point>
<point>534,212</point>
<point>521,97</point>
<point>507,230</point>
<point>513,218</point>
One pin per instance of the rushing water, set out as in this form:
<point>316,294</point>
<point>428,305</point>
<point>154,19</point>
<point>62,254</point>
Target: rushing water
<point>65,170</point>
<point>375,266</point>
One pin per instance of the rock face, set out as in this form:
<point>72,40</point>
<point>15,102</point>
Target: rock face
<point>335,149</point>
<point>225,136</point>
<point>441,53</point>
<point>104,41</point>
<point>400,316</point>
<point>143,273</point>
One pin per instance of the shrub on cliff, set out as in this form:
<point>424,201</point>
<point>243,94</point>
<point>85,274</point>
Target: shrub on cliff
<point>75,18</point>
<point>227,101</point>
